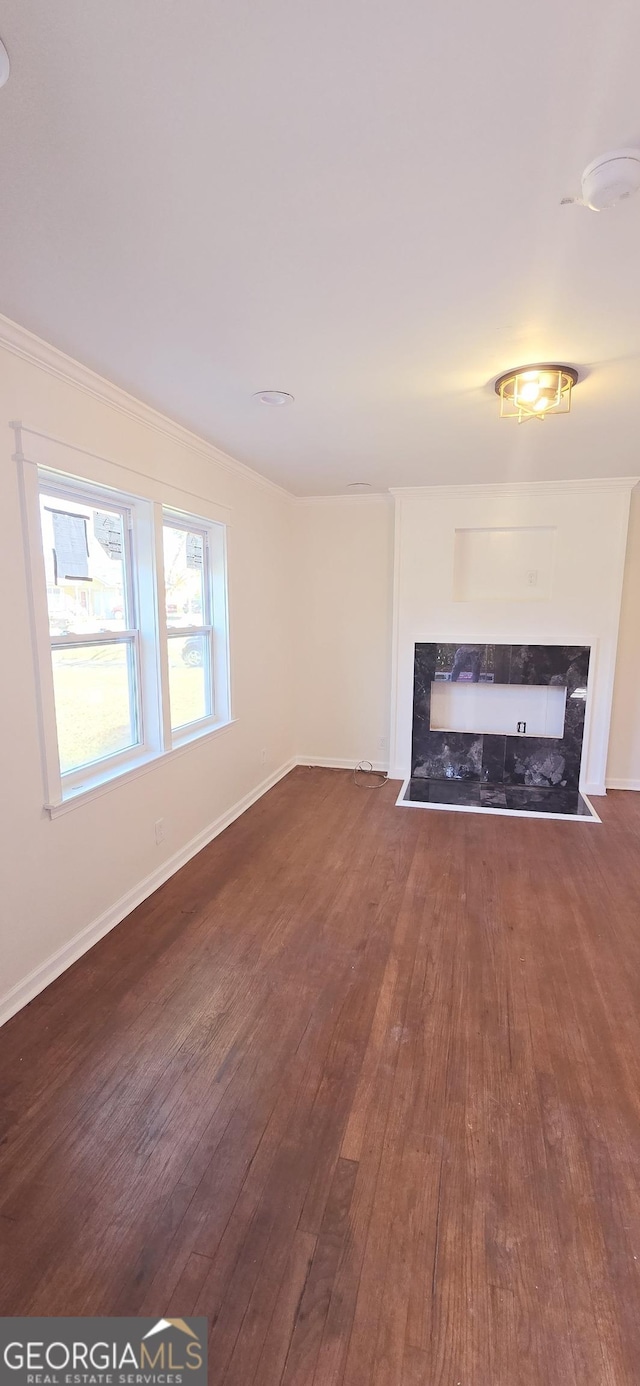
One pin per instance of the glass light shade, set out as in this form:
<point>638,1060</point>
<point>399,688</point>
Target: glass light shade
<point>528,392</point>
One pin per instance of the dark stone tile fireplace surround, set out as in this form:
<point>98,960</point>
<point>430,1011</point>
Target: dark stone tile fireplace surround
<point>512,773</point>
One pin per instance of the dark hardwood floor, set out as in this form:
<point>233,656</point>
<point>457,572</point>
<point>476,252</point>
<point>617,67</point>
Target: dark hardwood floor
<point>361,1084</point>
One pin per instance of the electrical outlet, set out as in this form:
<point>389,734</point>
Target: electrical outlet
<point>263,757</point>
<point>532,577</point>
<point>159,831</point>
<point>382,743</point>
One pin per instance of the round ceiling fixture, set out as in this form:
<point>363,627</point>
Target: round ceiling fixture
<point>359,486</point>
<point>531,392</point>
<point>5,65</point>
<point>609,179</point>
<point>276,397</point>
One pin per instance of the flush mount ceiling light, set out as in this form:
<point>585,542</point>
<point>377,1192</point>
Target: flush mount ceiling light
<point>276,397</point>
<point>531,392</point>
<point>359,486</point>
<point>5,65</point>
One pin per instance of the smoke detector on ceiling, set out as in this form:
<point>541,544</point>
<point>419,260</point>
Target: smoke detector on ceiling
<point>609,179</point>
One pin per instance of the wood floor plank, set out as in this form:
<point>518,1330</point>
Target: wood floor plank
<point>181,1302</point>
<point>336,1338</point>
<point>354,1135</point>
<point>374,1354</point>
<point>360,1084</point>
<point>308,1326</point>
<point>270,1364</point>
<point>415,1367</point>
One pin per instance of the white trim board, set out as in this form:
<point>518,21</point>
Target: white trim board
<point>58,962</point>
<point>338,498</point>
<point>331,763</point>
<point>500,812</point>
<point>496,489</point>
<point>623,784</point>
<point>58,454</point>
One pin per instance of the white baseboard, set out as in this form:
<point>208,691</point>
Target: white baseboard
<point>594,790</point>
<point>58,962</point>
<point>623,784</point>
<point>330,763</point>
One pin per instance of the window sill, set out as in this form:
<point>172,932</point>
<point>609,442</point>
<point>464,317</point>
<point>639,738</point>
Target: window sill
<point>112,779</point>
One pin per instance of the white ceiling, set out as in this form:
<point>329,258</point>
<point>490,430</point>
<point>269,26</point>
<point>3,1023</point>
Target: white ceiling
<point>357,201</point>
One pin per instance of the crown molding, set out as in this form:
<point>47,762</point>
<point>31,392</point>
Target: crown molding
<point>20,342</point>
<point>496,489</point>
<point>338,498</point>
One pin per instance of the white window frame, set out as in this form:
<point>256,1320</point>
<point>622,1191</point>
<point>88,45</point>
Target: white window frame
<point>145,517</point>
<point>84,493</point>
<point>214,628</point>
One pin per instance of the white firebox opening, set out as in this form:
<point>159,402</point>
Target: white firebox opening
<point>502,709</point>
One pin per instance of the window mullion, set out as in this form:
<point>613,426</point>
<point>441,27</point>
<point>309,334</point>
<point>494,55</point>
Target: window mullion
<point>161,620</point>
<point>211,687</point>
<point>211,691</point>
<point>136,709</point>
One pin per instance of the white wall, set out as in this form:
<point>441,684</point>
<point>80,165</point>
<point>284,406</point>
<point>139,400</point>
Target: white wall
<point>583,585</point>
<point>343,577</point>
<point>344,625</point>
<point>623,766</point>
<point>86,868</point>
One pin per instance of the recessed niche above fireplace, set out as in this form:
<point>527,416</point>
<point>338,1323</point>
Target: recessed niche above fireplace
<point>499,727</point>
<point>504,564</point>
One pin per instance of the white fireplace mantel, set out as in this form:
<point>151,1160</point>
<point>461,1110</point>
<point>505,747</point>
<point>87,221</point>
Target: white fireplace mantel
<point>570,535</point>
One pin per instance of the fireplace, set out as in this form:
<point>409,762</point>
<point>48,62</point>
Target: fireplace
<point>499,728</point>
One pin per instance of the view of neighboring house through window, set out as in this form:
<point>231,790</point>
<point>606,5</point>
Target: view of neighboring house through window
<point>132,645</point>
<point>93,627</point>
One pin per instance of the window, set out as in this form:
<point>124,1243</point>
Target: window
<point>195,618</point>
<point>133,600</point>
<point>189,627</point>
<point>93,626</point>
